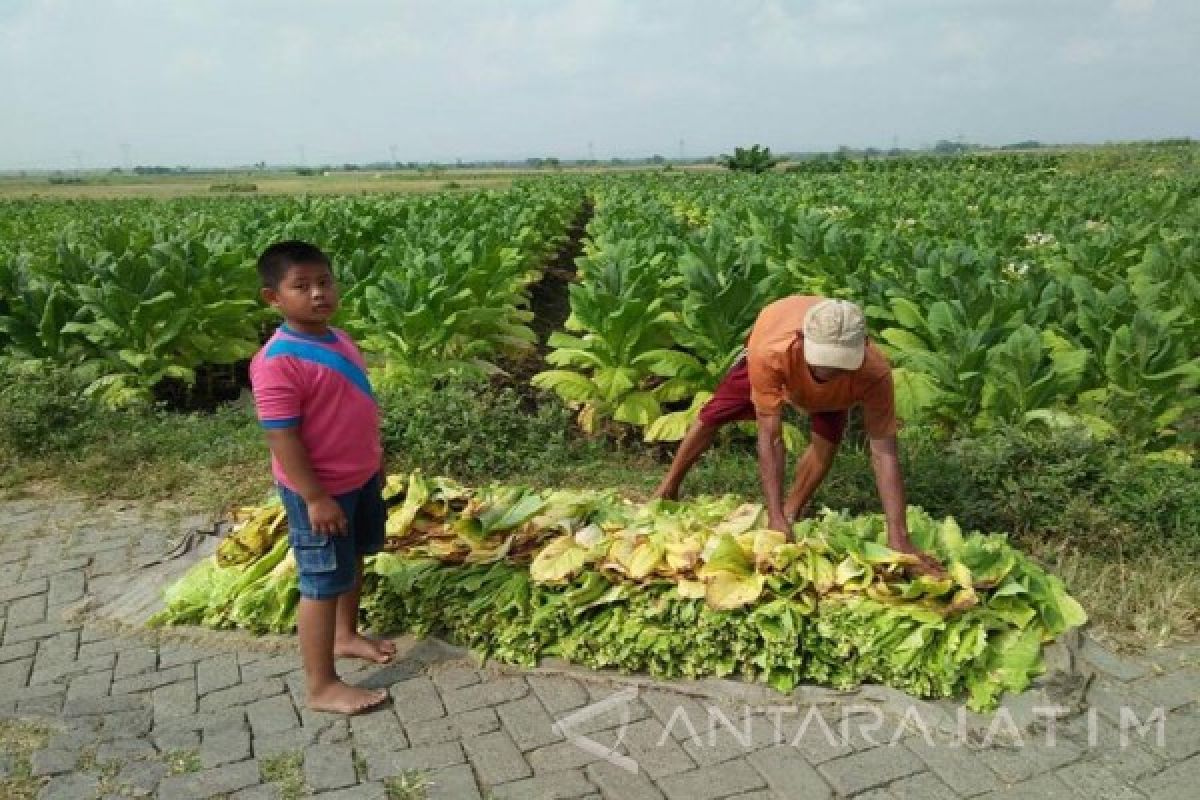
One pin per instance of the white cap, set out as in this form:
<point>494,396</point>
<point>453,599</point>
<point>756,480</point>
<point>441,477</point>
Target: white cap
<point>835,335</point>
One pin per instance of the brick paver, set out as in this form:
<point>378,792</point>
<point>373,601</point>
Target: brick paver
<point>144,715</point>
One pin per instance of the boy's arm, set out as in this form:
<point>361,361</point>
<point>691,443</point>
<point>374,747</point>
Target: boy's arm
<point>324,514</point>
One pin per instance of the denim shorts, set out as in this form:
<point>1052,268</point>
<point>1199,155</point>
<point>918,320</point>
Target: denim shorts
<point>328,565</point>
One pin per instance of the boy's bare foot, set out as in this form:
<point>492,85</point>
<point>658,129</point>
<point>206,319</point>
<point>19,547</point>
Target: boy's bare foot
<point>359,646</point>
<point>342,698</point>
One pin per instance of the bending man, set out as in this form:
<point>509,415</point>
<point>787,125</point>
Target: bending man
<point>813,353</point>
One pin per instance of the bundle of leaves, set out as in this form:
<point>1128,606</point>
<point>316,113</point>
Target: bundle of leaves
<point>678,589</point>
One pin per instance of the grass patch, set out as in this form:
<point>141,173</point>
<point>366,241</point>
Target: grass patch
<point>286,770</point>
<point>18,741</point>
<point>107,771</point>
<point>180,762</point>
<point>408,785</point>
<point>1133,603</point>
<point>49,432</point>
<point>87,760</point>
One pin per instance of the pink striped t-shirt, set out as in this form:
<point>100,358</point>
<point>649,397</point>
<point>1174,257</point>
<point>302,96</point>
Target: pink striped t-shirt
<point>319,384</point>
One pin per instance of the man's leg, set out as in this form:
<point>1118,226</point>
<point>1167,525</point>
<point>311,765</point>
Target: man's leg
<point>698,439</point>
<point>730,403</point>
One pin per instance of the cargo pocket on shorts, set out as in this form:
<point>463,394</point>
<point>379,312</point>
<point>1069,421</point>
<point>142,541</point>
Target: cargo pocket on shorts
<point>314,552</point>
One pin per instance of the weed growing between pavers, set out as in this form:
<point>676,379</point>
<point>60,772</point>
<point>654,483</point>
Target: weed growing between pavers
<point>87,759</point>
<point>18,741</point>
<point>286,770</point>
<point>408,785</point>
<point>107,772</point>
<point>180,761</point>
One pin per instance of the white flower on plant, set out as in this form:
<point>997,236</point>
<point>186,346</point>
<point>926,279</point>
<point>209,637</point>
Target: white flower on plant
<point>1015,270</point>
<point>833,211</point>
<point>906,224</point>
<point>974,209</point>
<point>1039,239</point>
<point>1095,225</point>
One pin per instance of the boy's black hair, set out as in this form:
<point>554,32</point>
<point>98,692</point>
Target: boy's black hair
<point>274,262</point>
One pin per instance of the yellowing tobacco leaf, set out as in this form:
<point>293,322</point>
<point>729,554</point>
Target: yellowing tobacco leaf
<point>728,590</point>
<point>558,561</point>
<point>875,553</point>
<point>683,554</point>
<point>765,544</point>
<point>645,559</point>
<point>743,518</point>
<point>727,556</point>
<point>820,572</point>
<point>589,536</point>
<point>849,573</point>
<point>961,574</point>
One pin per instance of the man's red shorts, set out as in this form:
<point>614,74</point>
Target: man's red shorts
<point>731,403</point>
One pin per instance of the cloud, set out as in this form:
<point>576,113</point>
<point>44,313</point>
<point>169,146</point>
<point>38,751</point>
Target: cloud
<point>209,81</point>
<point>193,63</point>
<point>826,36</point>
<point>1133,7</point>
<point>1084,52</point>
<point>960,43</point>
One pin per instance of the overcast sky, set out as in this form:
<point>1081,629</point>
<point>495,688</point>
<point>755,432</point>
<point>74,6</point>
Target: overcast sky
<point>222,82</point>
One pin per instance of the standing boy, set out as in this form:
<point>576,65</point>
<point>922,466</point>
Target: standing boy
<point>322,425</point>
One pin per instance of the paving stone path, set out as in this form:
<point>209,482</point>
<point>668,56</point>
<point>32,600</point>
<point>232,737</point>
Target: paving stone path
<point>138,715</point>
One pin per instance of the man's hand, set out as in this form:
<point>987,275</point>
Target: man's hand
<point>928,565</point>
<point>886,462</point>
<point>780,523</point>
<point>326,516</point>
<point>770,468</point>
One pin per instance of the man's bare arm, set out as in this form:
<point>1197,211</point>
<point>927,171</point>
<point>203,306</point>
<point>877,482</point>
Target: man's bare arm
<point>770,469</point>
<point>885,460</point>
<point>811,470</point>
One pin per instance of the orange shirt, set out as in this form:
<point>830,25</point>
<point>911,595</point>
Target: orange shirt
<point>779,373</point>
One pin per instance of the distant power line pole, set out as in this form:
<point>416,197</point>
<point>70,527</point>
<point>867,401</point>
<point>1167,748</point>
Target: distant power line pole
<point>392,149</point>
<point>78,160</point>
<point>303,157</point>
<point>591,151</point>
<point>682,149</point>
<point>126,161</point>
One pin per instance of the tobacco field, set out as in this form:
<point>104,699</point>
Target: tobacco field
<point>1048,293</point>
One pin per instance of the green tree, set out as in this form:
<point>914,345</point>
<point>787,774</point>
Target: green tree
<point>754,159</point>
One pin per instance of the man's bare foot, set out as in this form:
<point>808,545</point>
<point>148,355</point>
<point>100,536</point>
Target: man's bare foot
<point>665,494</point>
<point>359,646</point>
<point>342,698</point>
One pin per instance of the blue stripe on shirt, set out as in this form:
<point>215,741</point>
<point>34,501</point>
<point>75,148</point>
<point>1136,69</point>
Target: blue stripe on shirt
<point>287,422</point>
<point>330,359</point>
<point>329,337</point>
